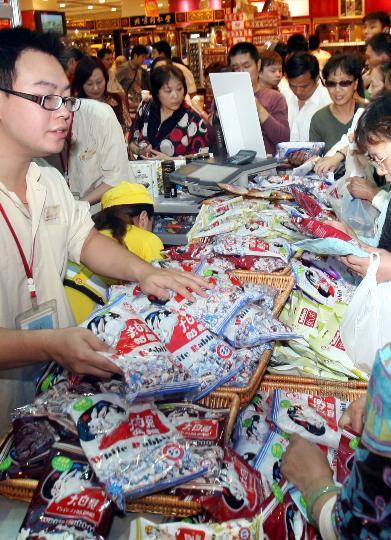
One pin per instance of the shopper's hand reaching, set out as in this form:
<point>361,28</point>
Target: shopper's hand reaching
<point>328,164</point>
<point>361,188</point>
<point>77,350</point>
<point>159,282</point>
<point>298,158</point>
<point>360,265</point>
<point>305,465</point>
<point>354,415</point>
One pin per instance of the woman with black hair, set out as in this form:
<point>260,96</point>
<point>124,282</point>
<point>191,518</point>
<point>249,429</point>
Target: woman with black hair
<point>90,81</point>
<point>166,126</point>
<point>127,217</point>
<point>342,77</point>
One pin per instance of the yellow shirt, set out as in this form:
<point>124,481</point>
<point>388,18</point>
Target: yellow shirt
<point>142,243</point>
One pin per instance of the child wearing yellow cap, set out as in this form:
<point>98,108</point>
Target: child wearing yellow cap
<point>127,217</point>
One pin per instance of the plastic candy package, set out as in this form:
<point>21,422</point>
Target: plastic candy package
<point>242,490</point>
<point>250,245</point>
<point>204,429</point>
<point>346,450</point>
<point>311,149</point>
<point>307,203</point>
<point>50,376</point>
<point>134,450</point>
<point>208,359</point>
<point>268,461</point>
<point>251,428</point>
<point>249,361</point>
<point>283,519</point>
<point>148,368</point>
<point>314,417</point>
<point>190,252</point>
<point>68,503</point>
<point>253,326</point>
<point>320,286</point>
<point>257,264</point>
<point>217,308</point>
<point>11,468</point>
<point>239,529</point>
<point>329,240</point>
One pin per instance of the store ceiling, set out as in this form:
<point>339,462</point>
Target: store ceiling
<point>79,9</point>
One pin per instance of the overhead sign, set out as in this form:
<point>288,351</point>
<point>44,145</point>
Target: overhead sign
<point>163,18</point>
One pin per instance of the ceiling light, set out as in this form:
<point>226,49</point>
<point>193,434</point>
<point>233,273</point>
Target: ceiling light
<point>109,36</point>
<point>62,5</point>
<point>113,9</point>
<point>102,1</point>
<point>90,7</point>
<point>160,5</point>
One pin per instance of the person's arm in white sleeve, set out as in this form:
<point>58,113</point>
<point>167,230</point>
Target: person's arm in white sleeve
<point>326,520</point>
<point>112,153</point>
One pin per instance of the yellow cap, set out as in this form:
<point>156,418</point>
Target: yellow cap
<point>126,193</point>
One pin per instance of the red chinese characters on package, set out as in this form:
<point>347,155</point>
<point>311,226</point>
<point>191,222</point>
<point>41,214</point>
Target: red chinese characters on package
<point>68,499</point>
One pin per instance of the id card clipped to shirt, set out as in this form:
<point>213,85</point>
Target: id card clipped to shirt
<point>40,317</point>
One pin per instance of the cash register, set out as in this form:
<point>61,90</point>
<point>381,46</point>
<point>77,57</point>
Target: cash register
<point>201,177</point>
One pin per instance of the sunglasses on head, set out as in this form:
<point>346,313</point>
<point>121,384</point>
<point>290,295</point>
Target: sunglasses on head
<point>342,84</point>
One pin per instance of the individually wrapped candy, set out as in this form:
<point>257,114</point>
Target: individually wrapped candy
<point>250,245</point>
<point>205,431</point>
<point>253,326</point>
<point>314,417</point>
<point>208,359</point>
<point>242,490</point>
<point>238,529</point>
<point>190,252</point>
<point>68,502</point>
<point>148,368</point>
<point>134,450</point>
<point>218,306</point>
<point>249,360</point>
<point>251,428</point>
<point>346,451</point>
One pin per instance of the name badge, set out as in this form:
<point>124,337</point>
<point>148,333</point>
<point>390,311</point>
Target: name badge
<point>42,317</point>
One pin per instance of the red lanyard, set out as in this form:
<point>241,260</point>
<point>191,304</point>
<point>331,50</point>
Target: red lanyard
<point>27,268</point>
<point>65,166</point>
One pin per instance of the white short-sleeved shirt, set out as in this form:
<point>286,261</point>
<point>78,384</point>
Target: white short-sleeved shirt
<point>60,225</point>
<point>300,119</point>
<point>98,150</point>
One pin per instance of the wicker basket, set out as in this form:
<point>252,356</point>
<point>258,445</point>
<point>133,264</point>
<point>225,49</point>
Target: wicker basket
<point>285,285</point>
<point>344,390</point>
<point>23,489</point>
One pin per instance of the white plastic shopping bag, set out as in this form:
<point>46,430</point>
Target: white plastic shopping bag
<point>366,326</point>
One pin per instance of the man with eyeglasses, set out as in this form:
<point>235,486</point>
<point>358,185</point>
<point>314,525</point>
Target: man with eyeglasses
<point>42,226</point>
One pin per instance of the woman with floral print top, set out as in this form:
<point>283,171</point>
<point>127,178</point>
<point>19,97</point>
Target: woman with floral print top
<point>166,127</point>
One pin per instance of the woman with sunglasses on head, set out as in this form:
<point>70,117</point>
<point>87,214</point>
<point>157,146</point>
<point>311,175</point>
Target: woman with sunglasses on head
<point>342,78</point>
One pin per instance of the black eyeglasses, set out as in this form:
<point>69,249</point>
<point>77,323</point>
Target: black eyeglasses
<point>50,102</point>
<point>342,84</point>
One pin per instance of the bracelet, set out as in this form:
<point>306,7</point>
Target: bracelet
<point>342,153</point>
<point>330,488</point>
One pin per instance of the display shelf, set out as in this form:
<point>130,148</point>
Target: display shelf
<point>326,45</point>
